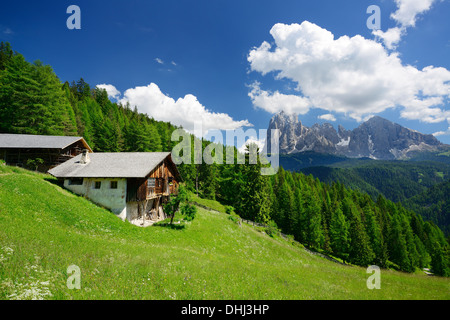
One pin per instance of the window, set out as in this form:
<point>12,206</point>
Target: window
<point>75,182</point>
<point>113,185</point>
<point>151,182</point>
<point>97,184</point>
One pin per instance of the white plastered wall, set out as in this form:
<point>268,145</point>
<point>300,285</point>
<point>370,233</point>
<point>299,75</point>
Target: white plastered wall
<point>112,199</point>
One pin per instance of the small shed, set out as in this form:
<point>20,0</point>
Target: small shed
<point>17,149</point>
<point>133,185</point>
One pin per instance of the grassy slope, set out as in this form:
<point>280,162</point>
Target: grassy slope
<point>44,229</point>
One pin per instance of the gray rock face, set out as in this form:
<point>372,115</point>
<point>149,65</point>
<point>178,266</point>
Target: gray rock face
<point>376,138</point>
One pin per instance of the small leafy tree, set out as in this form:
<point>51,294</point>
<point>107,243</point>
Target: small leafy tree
<point>34,163</point>
<point>189,211</point>
<point>171,207</point>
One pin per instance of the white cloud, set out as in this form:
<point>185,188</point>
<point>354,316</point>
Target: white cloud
<point>408,10</point>
<point>391,37</point>
<point>159,61</point>
<point>260,143</point>
<point>173,63</point>
<point>110,89</point>
<point>350,75</point>
<point>405,16</point>
<point>442,133</point>
<point>328,117</point>
<point>275,102</point>
<point>182,112</point>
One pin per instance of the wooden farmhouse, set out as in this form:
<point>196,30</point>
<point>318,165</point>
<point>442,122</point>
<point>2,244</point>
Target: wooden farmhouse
<point>133,185</point>
<point>17,149</point>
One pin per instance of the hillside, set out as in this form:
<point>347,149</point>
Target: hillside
<point>328,218</point>
<point>395,180</point>
<point>433,205</point>
<point>44,229</point>
<point>417,184</point>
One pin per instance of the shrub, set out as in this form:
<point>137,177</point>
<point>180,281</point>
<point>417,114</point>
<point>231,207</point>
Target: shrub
<point>272,229</point>
<point>391,265</point>
<point>189,211</point>
<point>234,217</point>
<point>229,209</point>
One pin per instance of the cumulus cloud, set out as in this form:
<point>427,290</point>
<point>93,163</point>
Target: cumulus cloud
<point>184,112</point>
<point>350,75</point>
<point>327,117</point>
<point>160,61</point>
<point>391,37</point>
<point>408,10</point>
<point>442,133</point>
<point>275,102</point>
<point>406,16</point>
<point>253,140</point>
<point>110,89</point>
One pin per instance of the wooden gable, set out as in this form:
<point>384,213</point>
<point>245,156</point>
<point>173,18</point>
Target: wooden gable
<point>164,180</point>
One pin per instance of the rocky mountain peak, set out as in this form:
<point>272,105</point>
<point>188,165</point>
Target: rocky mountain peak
<point>377,138</point>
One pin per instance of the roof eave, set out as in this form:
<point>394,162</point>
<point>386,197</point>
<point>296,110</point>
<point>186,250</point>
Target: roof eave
<point>84,143</point>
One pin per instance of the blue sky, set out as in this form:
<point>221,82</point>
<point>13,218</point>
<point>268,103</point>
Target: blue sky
<point>185,60</point>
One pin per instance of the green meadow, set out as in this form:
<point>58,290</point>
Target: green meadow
<point>44,229</point>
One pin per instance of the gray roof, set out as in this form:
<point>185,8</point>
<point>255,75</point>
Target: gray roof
<point>30,141</point>
<point>111,165</point>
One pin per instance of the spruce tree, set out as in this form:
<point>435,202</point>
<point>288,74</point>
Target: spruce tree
<point>360,252</point>
<point>397,245</point>
<point>339,234</point>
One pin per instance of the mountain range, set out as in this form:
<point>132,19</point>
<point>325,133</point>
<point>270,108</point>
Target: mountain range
<point>377,138</point>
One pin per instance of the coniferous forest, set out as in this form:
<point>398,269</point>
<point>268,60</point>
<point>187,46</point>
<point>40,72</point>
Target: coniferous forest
<point>329,218</point>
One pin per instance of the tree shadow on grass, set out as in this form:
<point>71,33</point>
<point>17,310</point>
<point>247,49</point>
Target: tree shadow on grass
<point>174,226</point>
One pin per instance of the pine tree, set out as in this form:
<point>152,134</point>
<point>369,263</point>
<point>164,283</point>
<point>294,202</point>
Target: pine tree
<point>339,234</point>
<point>154,138</point>
<point>6,54</point>
<point>361,252</point>
<point>32,100</point>
<point>374,233</point>
<point>314,232</point>
<point>397,245</point>
<point>256,205</point>
<point>208,181</point>
<point>413,255</point>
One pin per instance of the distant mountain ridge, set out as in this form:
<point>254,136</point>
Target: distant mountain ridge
<point>377,138</point>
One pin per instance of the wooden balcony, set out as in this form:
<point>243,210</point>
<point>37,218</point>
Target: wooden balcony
<point>154,192</point>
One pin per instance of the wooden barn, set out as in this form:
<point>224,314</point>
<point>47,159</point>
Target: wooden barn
<point>133,185</point>
<point>17,149</point>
